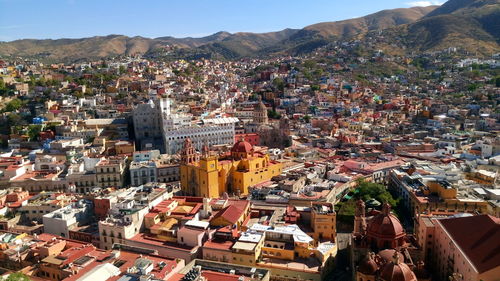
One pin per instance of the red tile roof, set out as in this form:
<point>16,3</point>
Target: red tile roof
<point>218,244</point>
<point>230,214</point>
<point>219,276</point>
<point>478,237</point>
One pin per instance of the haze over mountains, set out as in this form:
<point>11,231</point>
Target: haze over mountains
<point>470,24</point>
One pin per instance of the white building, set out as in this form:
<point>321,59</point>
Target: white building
<point>142,172</point>
<point>218,131</point>
<point>126,216</point>
<point>61,221</point>
<point>146,155</point>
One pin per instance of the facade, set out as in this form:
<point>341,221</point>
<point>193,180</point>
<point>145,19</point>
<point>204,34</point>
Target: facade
<point>433,194</point>
<point>61,221</point>
<point>143,172</point>
<point>110,172</point>
<point>460,245</point>
<point>167,172</point>
<point>151,166</point>
<point>44,203</point>
<point>219,131</point>
<point>211,270</point>
<point>270,135</point>
<point>148,122</point>
<point>211,176</point>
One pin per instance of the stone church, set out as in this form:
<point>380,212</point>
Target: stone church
<point>272,134</point>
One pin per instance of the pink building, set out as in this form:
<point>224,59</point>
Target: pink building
<point>467,247</point>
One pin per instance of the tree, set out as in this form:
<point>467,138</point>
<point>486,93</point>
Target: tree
<point>3,88</point>
<point>369,190</point>
<point>309,64</point>
<point>279,84</point>
<point>472,87</point>
<point>34,131</point>
<point>122,69</point>
<point>307,118</point>
<point>13,120</point>
<point>273,114</point>
<point>13,105</point>
<point>17,276</point>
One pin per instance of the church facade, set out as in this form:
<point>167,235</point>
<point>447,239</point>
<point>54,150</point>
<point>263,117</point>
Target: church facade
<point>211,176</point>
<point>270,134</point>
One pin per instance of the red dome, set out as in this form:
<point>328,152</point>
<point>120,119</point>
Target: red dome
<point>385,225</point>
<point>388,255</point>
<point>368,265</point>
<point>397,271</point>
<point>242,146</point>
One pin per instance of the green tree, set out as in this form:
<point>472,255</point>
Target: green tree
<point>273,114</point>
<point>472,87</point>
<point>17,276</point>
<point>279,84</point>
<point>122,69</point>
<point>34,131</point>
<point>3,88</point>
<point>309,64</point>
<point>307,118</point>
<point>368,190</point>
<point>14,121</point>
<point>13,105</point>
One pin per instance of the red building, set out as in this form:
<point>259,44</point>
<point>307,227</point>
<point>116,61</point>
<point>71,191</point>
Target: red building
<point>101,207</point>
<point>47,135</point>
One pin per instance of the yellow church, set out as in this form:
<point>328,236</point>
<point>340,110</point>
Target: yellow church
<point>210,176</point>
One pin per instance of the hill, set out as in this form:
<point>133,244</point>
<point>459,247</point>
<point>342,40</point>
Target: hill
<point>377,21</point>
<point>473,25</point>
<point>470,24</point>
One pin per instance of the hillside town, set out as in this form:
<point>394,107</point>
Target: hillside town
<point>343,164</point>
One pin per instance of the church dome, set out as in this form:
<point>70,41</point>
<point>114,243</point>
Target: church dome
<point>242,146</point>
<point>388,255</point>
<point>397,271</point>
<point>368,266</point>
<point>261,106</point>
<point>385,225</point>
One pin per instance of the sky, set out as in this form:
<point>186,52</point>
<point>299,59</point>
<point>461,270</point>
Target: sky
<point>53,19</point>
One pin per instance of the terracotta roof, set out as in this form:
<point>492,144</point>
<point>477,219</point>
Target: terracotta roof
<point>218,244</point>
<point>219,276</point>
<point>242,146</point>
<point>229,213</point>
<point>397,272</point>
<point>385,225</point>
<point>368,266</point>
<point>478,237</point>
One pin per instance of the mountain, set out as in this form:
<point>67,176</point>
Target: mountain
<point>309,38</point>
<point>195,42</point>
<point>377,21</point>
<point>74,49</point>
<point>471,24</point>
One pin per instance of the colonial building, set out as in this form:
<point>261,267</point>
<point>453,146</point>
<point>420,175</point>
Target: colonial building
<point>213,175</point>
<point>111,172</point>
<point>217,131</point>
<point>270,135</point>
<point>461,245</point>
<point>148,122</point>
<point>383,234</point>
